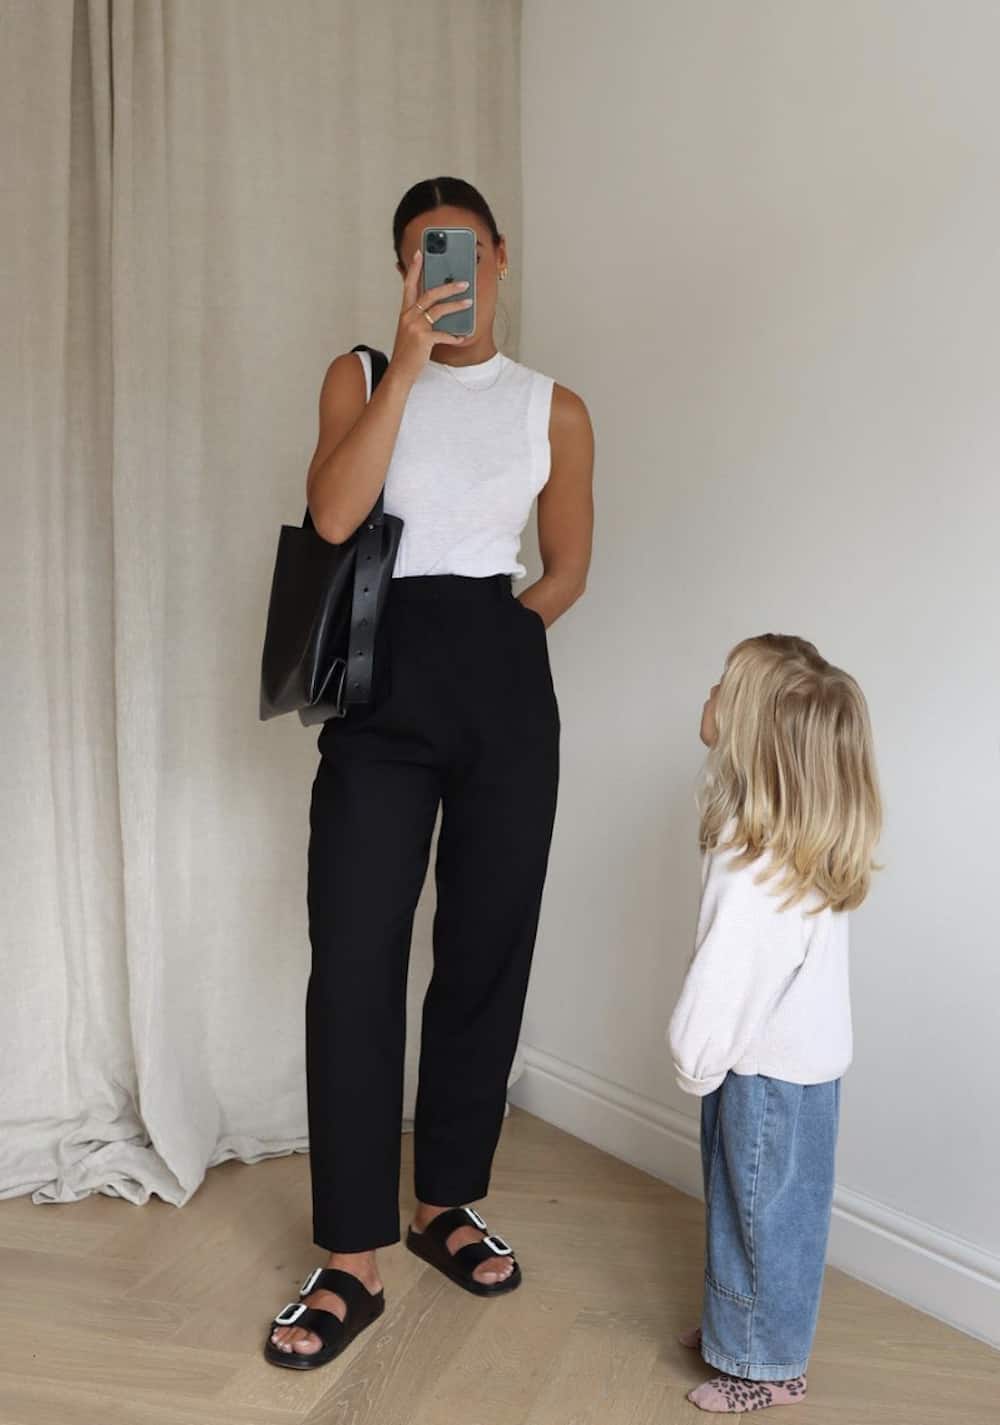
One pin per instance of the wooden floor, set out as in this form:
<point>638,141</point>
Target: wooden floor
<point>118,1315</point>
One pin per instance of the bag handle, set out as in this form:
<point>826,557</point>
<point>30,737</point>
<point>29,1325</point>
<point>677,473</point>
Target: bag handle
<point>379,362</point>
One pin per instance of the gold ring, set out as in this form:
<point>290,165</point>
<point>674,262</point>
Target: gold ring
<point>419,308</point>
<point>427,317</point>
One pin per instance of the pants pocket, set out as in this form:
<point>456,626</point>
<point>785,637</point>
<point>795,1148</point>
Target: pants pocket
<point>526,611</point>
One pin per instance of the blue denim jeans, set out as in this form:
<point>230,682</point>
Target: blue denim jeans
<point>767,1151</point>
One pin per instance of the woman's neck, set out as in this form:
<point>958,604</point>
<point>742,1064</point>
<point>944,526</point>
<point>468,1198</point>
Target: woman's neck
<point>474,355</point>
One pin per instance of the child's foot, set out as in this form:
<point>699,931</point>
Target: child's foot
<point>691,1338</point>
<point>729,1395</point>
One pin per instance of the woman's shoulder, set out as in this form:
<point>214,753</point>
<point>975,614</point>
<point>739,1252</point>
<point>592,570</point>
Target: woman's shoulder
<point>343,392</point>
<point>570,429</point>
<point>350,373</point>
<point>348,370</point>
<point>568,403</point>
<point>569,410</point>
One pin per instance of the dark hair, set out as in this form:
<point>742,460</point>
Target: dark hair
<point>433,193</point>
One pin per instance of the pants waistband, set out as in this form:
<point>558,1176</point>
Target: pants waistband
<point>452,587</point>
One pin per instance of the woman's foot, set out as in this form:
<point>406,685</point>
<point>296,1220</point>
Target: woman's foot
<point>361,1265</point>
<point>497,1269</point>
<point>691,1338</point>
<point>729,1395</point>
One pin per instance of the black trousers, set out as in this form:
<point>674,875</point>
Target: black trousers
<point>463,715</point>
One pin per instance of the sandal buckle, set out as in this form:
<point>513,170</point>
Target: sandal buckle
<point>474,1217</point>
<point>310,1282</point>
<point>289,1314</point>
<point>499,1246</point>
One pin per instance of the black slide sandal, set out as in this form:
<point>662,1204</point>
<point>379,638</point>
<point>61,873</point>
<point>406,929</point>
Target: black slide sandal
<point>431,1247</point>
<point>363,1308</point>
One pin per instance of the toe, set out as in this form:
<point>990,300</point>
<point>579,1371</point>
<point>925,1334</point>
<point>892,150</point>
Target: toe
<point>492,1273</point>
<point>307,1344</point>
<point>706,1397</point>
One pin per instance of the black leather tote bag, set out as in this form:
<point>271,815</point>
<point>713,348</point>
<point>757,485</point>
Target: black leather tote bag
<point>326,602</point>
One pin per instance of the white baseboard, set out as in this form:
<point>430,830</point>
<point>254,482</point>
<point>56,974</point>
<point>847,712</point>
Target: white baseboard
<point>940,1274</point>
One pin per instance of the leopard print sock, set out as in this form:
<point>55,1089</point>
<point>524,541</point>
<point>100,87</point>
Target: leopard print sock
<point>729,1395</point>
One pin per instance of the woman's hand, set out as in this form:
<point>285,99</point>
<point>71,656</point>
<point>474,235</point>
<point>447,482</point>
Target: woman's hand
<point>415,334</point>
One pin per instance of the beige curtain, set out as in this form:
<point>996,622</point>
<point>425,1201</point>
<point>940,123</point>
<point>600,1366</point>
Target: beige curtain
<point>197,201</point>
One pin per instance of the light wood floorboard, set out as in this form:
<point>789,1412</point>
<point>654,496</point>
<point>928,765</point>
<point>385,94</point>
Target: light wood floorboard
<point>112,1314</point>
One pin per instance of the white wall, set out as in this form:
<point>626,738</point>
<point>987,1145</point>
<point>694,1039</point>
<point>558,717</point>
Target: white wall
<point>763,242</point>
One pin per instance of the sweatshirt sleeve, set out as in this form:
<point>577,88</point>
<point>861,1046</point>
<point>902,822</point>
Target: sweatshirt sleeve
<point>746,951</point>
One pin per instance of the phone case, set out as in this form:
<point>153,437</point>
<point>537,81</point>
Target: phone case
<point>456,264</point>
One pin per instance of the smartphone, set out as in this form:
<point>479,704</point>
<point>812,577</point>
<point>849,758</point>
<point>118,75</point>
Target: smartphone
<point>450,256</point>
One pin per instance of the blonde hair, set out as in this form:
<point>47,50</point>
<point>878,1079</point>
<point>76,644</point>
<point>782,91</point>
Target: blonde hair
<point>792,772</point>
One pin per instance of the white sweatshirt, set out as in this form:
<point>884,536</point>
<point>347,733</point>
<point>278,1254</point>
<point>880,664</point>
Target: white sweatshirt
<point>767,989</point>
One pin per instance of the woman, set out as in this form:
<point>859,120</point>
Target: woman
<point>463,713</point>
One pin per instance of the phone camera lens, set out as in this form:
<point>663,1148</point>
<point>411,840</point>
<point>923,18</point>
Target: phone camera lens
<point>437,242</point>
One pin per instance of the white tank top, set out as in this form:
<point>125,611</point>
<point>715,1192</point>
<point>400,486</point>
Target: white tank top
<point>471,455</point>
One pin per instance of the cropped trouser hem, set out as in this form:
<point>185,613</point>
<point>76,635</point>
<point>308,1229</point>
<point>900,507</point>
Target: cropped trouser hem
<point>435,1194</point>
<point>328,1242</point>
<point>450,1194</point>
<point>753,1370</point>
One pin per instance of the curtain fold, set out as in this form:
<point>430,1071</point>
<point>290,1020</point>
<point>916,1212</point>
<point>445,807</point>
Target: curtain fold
<point>197,219</point>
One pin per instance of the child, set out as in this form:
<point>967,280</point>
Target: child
<point>762,1029</point>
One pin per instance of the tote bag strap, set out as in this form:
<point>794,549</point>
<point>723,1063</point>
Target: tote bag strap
<point>364,601</point>
<point>379,362</point>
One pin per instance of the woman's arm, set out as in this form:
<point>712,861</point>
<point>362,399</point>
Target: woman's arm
<point>565,510</point>
<point>746,951</point>
<point>355,445</point>
<point>356,439</point>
